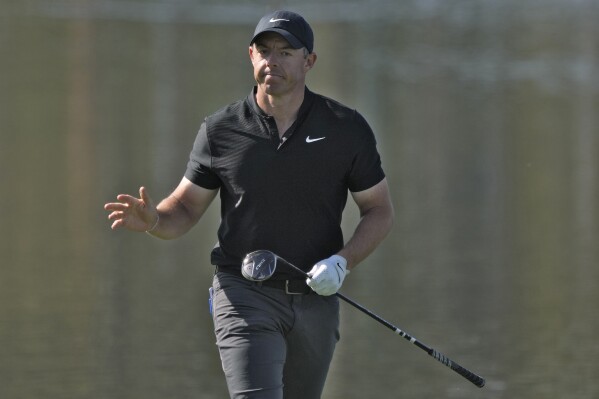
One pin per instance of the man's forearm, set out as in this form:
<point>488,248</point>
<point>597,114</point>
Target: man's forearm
<point>181,210</point>
<point>175,219</point>
<point>373,227</point>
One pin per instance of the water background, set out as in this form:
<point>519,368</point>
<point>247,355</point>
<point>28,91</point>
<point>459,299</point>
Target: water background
<point>486,114</point>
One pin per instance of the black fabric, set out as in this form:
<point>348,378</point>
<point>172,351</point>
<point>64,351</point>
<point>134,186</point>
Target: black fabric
<point>286,196</point>
<point>292,26</point>
<point>296,285</point>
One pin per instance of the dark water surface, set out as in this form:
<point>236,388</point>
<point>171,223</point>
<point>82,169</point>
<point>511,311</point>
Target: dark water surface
<point>486,114</point>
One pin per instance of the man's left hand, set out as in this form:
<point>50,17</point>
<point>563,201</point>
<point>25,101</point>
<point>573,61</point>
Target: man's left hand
<point>327,275</point>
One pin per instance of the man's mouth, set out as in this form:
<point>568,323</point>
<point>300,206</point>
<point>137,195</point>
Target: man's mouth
<point>272,75</point>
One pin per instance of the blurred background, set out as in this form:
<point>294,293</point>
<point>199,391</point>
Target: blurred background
<point>486,115</point>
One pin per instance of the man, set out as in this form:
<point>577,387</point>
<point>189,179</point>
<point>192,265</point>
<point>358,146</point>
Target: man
<point>283,160</point>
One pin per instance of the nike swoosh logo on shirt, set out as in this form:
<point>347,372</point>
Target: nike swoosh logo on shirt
<point>309,140</point>
<point>278,19</point>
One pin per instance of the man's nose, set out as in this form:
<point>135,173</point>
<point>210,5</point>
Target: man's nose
<point>272,59</point>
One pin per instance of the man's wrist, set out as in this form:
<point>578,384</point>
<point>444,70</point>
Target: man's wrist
<point>341,261</point>
<point>150,230</point>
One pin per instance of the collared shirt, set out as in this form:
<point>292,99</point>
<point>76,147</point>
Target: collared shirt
<point>287,194</point>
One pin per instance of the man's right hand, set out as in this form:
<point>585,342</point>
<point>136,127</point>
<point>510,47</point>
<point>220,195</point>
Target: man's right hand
<point>136,214</point>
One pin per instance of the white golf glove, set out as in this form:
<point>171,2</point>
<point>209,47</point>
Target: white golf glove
<point>327,275</point>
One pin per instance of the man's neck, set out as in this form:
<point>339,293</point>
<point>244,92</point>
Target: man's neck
<point>283,108</point>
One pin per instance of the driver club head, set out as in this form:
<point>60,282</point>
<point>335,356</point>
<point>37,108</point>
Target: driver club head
<point>259,265</point>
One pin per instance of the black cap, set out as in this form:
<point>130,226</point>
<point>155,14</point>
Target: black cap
<point>293,27</point>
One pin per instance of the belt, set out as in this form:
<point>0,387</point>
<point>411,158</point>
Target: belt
<point>291,287</point>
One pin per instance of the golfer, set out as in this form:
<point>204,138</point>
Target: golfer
<point>283,160</point>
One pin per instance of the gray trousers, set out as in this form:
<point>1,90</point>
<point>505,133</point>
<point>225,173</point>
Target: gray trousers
<point>273,345</point>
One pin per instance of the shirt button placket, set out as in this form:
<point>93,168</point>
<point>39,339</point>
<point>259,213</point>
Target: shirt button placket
<point>273,131</point>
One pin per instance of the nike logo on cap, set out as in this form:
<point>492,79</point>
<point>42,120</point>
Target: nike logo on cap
<point>309,140</point>
<point>278,19</point>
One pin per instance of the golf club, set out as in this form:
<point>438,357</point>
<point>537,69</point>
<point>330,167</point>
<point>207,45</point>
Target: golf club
<point>261,265</point>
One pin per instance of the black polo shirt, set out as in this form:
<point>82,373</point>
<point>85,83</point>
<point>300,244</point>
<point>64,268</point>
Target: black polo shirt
<point>284,195</point>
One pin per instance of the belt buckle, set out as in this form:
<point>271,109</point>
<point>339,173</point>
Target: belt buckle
<point>289,292</point>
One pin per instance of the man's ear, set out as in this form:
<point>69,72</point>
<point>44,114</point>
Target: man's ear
<point>310,61</point>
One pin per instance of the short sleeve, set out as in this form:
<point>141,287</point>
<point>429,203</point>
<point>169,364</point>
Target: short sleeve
<point>366,170</point>
<point>199,168</point>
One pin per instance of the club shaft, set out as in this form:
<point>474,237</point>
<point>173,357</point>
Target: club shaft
<point>470,376</point>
